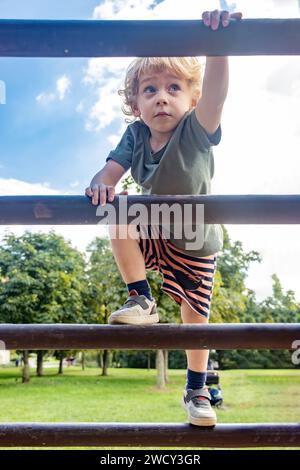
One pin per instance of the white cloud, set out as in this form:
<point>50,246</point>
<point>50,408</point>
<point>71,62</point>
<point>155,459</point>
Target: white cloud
<point>45,98</point>
<point>105,77</point>
<point>74,184</point>
<point>63,85</point>
<point>80,107</point>
<point>114,139</point>
<point>280,249</point>
<point>259,154</point>
<point>260,131</point>
<point>79,235</point>
<point>268,8</point>
<point>124,9</point>
<point>14,187</point>
<point>285,78</point>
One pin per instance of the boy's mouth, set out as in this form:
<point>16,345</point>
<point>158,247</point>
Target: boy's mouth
<point>162,114</point>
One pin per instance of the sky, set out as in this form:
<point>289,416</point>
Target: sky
<point>62,116</point>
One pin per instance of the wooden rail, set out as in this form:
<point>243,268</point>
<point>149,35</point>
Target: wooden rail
<point>71,210</point>
<point>111,38</point>
<point>148,435</point>
<point>160,336</point>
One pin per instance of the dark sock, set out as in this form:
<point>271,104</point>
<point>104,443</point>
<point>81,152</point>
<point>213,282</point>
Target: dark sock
<point>195,379</point>
<point>142,287</point>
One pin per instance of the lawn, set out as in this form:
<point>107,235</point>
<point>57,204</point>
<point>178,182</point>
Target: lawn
<point>129,395</point>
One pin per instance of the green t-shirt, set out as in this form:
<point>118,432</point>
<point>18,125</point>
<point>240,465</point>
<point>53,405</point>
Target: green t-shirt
<point>184,166</point>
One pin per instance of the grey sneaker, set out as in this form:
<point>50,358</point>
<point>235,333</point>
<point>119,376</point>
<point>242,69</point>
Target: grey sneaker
<point>137,310</point>
<point>197,404</point>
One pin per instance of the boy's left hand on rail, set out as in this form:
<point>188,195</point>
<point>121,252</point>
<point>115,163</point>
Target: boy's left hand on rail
<point>213,19</point>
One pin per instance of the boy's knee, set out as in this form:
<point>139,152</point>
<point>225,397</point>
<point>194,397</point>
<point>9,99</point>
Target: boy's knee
<point>189,315</point>
<point>123,232</point>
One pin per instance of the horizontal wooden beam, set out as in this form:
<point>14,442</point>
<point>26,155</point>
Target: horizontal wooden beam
<point>160,336</point>
<point>73,210</point>
<point>122,38</point>
<point>148,435</point>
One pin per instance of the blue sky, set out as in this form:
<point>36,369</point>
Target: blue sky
<point>63,116</point>
<point>40,143</point>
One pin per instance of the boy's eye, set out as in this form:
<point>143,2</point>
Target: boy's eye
<point>150,88</point>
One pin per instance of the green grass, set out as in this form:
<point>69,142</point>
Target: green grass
<point>130,395</point>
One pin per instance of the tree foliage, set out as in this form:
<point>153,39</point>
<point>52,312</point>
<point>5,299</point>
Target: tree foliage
<point>42,280</point>
<point>45,280</point>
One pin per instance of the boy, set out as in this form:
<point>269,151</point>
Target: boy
<point>168,148</point>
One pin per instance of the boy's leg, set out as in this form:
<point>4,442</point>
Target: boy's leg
<point>196,399</point>
<point>139,308</point>
<point>128,255</point>
<point>196,358</point>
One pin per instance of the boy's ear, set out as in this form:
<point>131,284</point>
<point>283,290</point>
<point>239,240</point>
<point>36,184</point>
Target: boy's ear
<point>195,99</point>
<point>135,110</point>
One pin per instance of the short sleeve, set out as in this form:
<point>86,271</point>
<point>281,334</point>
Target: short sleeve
<point>216,137</point>
<point>203,139</point>
<point>124,150</point>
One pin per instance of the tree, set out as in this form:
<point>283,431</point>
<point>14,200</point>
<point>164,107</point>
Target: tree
<point>230,295</point>
<point>42,282</point>
<point>105,288</point>
<point>281,307</point>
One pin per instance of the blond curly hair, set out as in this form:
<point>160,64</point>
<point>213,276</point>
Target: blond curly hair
<point>188,68</point>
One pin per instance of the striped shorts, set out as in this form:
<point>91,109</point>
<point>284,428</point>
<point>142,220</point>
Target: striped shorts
<point>184,276</point>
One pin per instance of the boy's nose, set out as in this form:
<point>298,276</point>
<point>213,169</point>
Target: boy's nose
<point>162,98</point>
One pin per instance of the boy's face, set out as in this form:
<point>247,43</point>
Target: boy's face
<point>163,99</point>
